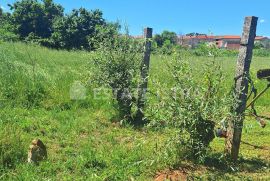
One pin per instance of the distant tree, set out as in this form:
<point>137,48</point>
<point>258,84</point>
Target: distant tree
<point>32,16</point>
<point>52,11</point>
<point>190,34</point>
<point>158,39</point>
<point>75,30</point>
<point>195,34</point>
<point>168,35</point>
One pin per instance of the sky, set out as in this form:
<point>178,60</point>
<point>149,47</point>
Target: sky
<point>217,17</point>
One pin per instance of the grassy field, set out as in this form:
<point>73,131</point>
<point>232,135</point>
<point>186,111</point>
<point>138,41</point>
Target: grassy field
<point>84,140</point>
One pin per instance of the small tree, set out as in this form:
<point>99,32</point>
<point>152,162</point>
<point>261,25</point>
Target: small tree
<point>193,105</point>
<point>164,38</point>
<point>168,35</point>
<point>118,63</point>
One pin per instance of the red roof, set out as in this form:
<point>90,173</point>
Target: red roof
<point>205,37</point>
<point>260,38</point>
<point>238,37</point>
<point>228,37</point>
<point>201,37</point>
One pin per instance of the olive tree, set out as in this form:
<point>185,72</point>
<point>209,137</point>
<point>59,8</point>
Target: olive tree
<point>118,61</point>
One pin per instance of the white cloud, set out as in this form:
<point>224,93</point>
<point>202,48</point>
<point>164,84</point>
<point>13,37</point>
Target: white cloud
<point>2,7</point>
<point>262,21</point>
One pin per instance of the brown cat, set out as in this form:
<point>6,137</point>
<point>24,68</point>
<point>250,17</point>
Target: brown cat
<point>37,151</point>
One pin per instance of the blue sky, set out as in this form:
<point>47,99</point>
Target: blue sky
<point>219,17</point>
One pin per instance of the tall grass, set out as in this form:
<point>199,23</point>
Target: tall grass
<point>32,76</point>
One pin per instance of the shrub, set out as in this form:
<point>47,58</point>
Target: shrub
<point>7,36</point>
<point>103,33</point>
<point>262,52</point>
<point>193,105</point>
<point>6,29</point>
<point>167,48</point>
<point>118,63</point>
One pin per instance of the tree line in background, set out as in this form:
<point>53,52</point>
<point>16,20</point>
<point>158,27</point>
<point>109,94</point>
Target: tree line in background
<point>44,22</point>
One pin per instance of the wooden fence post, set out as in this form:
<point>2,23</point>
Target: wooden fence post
<point>144,75</point>
<point>234,131</point>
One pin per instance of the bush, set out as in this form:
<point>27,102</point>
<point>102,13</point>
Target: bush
<point>167,48</point>
<point>118,63</point>
<point>261,52</point>
<point>103,33</point>
<point>8,36</point>
<point>193,105</point>
<point>6,29</point>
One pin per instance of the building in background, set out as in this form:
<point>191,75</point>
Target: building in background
<point>231,42</point>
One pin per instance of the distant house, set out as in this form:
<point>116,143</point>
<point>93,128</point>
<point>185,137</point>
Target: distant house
<point>231,42</point>
<point>260,39</point>
<point>138,37</point>
<point>193,41</point>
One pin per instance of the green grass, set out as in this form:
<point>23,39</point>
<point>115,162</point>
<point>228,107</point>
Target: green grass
<point>84,140</point>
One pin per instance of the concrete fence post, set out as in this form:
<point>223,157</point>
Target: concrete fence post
<point>234,130</point>
<point>144,75</point>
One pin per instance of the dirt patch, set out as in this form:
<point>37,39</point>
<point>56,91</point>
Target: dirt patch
<point>171,175</point>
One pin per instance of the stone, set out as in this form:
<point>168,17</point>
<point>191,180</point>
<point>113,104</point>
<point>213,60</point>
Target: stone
<point>37,151</point>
